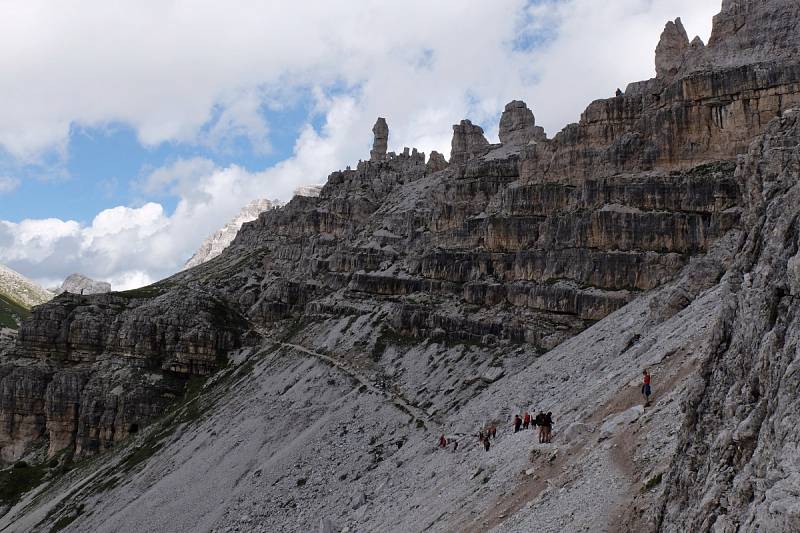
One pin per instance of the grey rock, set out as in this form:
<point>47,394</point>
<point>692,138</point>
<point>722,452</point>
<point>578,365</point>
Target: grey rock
<point>436,162</point>
<point>381,140</point>
<point>518,125</point>
<point>468,142</point>
<point>214,245</point>
<point>326,525</point>
<point>671,49</point>
<point>80,284</point>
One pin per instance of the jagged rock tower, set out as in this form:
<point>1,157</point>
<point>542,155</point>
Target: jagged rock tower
<point>381,140</point>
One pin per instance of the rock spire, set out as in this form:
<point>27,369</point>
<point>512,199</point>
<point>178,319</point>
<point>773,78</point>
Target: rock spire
<point>381,141</point>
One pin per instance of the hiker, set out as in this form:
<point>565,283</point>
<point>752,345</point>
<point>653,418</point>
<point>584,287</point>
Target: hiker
<point>493,431</point>
<point>517,423</point>
<point>539,421</point>
<point>526,420</point>
<point>455,446</point>
<point>548,426</point>
<point>646,387</point>
<point>486,444</point>
<point>442,442</point>
<point>481,437</point>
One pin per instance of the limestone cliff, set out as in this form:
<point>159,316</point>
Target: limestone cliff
<point>342,334</point>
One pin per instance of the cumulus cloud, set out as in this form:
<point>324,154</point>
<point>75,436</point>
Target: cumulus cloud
<point>131,247</point>
<point>204,73</point>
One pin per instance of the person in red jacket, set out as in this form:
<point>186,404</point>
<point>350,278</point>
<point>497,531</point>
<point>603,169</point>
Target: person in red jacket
<point>442,442</point>
<point>517,423</point>
<point>526,420</point>
<point>646,387</point>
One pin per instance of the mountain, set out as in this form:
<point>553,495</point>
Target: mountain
<point>80,284</point>
<point>302,380</point>
<point>216,243</point>
<point>17,295</point>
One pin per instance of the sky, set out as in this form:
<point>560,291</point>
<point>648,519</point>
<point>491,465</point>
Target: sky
<point>132,130</point>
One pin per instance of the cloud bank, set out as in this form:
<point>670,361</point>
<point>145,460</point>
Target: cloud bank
<point>204,73</point>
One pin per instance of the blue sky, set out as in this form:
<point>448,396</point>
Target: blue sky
<point>103,166</point>
<point>130,132</point>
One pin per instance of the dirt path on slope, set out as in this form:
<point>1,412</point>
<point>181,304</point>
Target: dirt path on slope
<point>528,488</point>
<point>397,400</point>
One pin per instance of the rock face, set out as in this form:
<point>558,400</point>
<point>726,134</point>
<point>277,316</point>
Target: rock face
<point>518,126</point>
<point>311,191</point>
<point>80,284</point>
<point>436,162</point>
<point>97,366</point>
<point>468,142</point>
<point>410,300</point>
<point>739,435</point>
<point>381,140</point>
<point>671,49</point>
<point>216,243</point>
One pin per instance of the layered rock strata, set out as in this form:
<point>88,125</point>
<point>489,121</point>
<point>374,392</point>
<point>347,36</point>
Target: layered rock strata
<point>518,244</point>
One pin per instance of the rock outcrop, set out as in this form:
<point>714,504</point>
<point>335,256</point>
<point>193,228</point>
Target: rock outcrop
<point>310,191</point>
<point>216,243</point>
<point>436,162</point>
<point>737,462</point>
<point>518,125</point>
<point>80,284</point>
<point>468,142</point>
<point>380,142</point>
<point>671,49</point>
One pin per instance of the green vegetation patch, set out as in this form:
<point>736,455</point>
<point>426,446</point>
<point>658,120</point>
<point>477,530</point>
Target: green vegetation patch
<point>150,291</point>
<point>19,479</point>
<point>11,313</point>
<point>66,520</point>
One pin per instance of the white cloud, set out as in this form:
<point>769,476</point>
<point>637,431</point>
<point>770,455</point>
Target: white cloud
<point>201,72</point>
<point>130,247</point>
<point>8,184</point>
<point>168,68</point>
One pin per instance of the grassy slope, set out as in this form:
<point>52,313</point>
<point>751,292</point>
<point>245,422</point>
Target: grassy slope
<point>11,313</point>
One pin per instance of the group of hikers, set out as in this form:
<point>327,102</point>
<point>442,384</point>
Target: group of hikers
<point>543,420</point>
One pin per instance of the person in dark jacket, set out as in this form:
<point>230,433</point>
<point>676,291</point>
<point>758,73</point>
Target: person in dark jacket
<point>548,426</point>
<point>517,423</point>
<point>539,421</point>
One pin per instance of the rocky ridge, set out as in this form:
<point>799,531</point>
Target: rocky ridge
<point>26,293</point>
<point>216,243</point>
<point>415,298</point>
<point>80,284</point>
